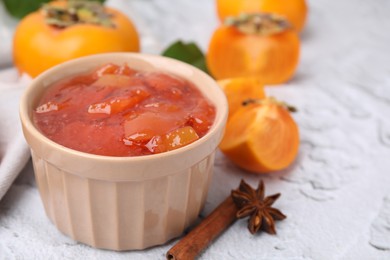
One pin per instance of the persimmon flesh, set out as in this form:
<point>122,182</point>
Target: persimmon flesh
<point>237,90</point>
<point>261,138</point>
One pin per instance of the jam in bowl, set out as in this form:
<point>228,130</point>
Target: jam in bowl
<point>123,146</point>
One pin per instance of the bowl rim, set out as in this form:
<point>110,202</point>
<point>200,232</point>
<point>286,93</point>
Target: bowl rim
<point>27,121</point>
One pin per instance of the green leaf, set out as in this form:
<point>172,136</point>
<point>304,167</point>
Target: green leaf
<point>21,8</point>
<point>187,52</point>
<point>101,1</point>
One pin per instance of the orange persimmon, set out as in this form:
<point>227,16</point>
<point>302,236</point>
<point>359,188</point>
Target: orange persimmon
<point>261,137</point>
<point>62,31</point>
<point>260,45</point>
<point>294,10</point>
<point>237,90</point>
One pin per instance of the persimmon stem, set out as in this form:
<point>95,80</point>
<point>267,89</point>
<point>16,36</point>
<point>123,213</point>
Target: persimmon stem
<point>259,23</point>
<point>77,12</point>
<point>270,100</point>
<point>251,101</point>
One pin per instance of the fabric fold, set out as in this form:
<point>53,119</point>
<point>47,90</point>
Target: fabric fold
<point>14,151</point>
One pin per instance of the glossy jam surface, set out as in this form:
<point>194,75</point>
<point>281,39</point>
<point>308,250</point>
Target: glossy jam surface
<point>117,111</point>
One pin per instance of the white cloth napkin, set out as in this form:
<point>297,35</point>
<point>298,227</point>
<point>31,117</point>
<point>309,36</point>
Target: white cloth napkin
<point>7,25</point>
<point>14,152</point>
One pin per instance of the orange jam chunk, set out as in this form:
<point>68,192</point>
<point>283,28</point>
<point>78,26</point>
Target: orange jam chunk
<point>180,137</point>
<point>118,111</point>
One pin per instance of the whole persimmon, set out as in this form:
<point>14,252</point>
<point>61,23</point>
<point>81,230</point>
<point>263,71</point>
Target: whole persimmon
<point>261,136</point>
<point>294,10</point>
<point>62,31</point>
<point>257,45</point>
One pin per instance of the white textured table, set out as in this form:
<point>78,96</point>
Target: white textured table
<point>336,195</point>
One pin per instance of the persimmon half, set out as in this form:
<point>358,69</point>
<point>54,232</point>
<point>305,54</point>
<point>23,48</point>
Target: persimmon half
<point>238,90</point>
<point>294,10</point>
<point>61,31</point>
<point>260,45</point>
<point>261,137</point>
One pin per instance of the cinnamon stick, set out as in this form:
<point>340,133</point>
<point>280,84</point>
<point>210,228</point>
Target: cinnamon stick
<point>209,229</point>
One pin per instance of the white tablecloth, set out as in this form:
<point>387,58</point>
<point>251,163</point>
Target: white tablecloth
<point>337,193</point>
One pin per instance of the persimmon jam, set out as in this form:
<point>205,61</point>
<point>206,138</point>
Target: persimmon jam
<point>118,111</point>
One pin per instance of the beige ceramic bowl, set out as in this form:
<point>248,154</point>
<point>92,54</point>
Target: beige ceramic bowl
<point>123,203</point>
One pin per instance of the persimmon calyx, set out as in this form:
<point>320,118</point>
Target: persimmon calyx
<point>270,100</point>
<point>259,23</point>
<point>77,12</point>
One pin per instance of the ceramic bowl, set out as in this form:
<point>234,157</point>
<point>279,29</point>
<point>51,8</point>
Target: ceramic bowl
<point>123,203</point>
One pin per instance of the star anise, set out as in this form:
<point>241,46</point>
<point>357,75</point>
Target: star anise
<point>252,203</point>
